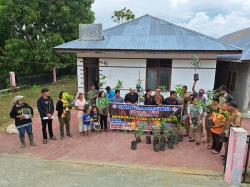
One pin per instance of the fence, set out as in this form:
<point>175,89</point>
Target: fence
<point>22,79</point>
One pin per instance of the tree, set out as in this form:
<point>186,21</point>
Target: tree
<point>33,27</point>
<point>123,15</point>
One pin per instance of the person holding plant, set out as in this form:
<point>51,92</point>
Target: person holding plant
<point>79,106</point>
<point>195,116</point>
<point>213,107</point>
<point>102,104</point>
<point>149,99</point>
<point>234,118</point>
<point>158,98</point>
<point>22,113</point>
<point>92,95</point>
<point>86,118</point>
<point>200,95</point>
<point>218,120</point>
<point>63,108</point>
<point>117,98</point>
<point>45,107</point>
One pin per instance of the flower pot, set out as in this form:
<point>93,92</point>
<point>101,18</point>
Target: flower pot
<point>170,145</point>
<point>148,139</point>
<point>180,137</point>
<point>138,139</point>
<point>156,148</point>
<point>162,146</point>
<point>156,140</point>
<point>196,77</point>
<point>133,145</point>
<point>163,139</point>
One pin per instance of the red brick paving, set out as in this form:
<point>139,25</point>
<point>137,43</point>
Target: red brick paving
<point>111,147</point>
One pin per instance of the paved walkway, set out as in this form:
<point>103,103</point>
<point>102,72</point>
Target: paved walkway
<point>27,172</point>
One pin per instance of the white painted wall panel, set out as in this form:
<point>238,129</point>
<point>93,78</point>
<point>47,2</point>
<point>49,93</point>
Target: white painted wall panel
<point>127,70</point>
<point>183,74</point>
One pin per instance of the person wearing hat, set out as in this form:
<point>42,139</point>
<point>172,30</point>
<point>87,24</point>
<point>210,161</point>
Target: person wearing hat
<point>22,113</point>
<point>200,95</point>
<point>132,96</point>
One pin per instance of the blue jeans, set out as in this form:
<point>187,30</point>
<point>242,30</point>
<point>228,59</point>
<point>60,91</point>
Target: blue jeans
<point>22,130</point>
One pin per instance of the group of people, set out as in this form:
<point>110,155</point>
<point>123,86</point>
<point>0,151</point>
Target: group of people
<point>92,113</point>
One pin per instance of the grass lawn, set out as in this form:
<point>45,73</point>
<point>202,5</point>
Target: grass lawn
<point>31,95</point>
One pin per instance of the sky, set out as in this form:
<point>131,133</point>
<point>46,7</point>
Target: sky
<point>211,17</point>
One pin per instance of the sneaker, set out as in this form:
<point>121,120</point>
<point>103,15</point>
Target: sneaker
<point>62,137</point>
<point>69,135</point>
<point>44,141</point>
<point>53,138</point>
<point>191,140</point>
<point>33,144</point>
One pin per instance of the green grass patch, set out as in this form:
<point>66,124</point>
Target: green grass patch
<point>32,94</point>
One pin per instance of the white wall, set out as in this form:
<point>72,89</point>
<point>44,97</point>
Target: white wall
<point>126,70</point>
<point>182,73</point>
<point>80,75</point>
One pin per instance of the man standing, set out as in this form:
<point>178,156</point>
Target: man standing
<point>92,95</point>
<point>224,96</point>
<point>200,95</point>
<point>46,109</point>
<point>131,97</point>
<point>117,98</point>
<point>172,99</point>
<point>109,93</point>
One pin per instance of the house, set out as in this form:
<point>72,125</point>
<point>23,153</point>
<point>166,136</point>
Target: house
<point>235,69</point>
<point>154,50</point>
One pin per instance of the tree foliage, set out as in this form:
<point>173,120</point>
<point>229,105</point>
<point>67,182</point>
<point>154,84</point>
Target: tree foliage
<point>29,29</point>
<point>123,15</point>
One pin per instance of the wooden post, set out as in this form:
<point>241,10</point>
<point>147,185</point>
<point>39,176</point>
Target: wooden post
<point>54,74</point>
<point>235,156</point>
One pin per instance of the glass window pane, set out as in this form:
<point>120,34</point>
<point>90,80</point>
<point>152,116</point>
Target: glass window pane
<point>152,78</point>
<point>164,77</point>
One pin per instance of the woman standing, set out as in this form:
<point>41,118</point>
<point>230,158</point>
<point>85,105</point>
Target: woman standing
<point>102,104</point>
<point>79,106</point>
<point>63,108</point>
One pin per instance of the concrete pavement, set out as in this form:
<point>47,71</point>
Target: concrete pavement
<point>29,172</point>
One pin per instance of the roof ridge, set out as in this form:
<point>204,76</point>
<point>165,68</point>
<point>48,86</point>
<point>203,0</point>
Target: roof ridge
<point>232,33</point>
<point>181,27</point>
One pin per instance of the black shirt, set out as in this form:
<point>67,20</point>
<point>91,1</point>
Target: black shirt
<point>171,101</point>
<point>149,100</point>
<point>131,98</point>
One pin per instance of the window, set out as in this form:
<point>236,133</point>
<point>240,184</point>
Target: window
<point>231,78</point>
<point>158,73</point>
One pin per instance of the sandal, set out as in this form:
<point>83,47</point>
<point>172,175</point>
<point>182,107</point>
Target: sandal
<point>44,141</point>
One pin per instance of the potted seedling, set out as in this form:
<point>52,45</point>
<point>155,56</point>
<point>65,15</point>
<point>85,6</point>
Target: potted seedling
<point>179,90</point>
<point>156,133</point>
<point>171,138</point>
<point>119,85</point>
<point>139,132</point>
<point>102,81</point>
<point>148,139</point>
<point>196,64</point>
<point>133,145</point>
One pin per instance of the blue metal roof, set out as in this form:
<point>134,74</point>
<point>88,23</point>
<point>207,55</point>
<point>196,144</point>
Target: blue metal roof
<point>150,33</point>
<point>241,39</point>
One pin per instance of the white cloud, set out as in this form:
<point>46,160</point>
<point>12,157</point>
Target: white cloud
<point>212,17</point>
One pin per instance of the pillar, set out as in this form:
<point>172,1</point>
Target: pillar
<point>235,156</point>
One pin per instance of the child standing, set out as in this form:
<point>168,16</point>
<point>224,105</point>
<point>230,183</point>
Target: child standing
<point>94,114</point>
<point>86,120</point>
<point>22,113</point>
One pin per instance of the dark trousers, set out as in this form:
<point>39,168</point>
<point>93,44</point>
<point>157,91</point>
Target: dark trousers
<point>44,128</point>
<point>217,143</point>
<point>103,122</point>
<point>22,130</point>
